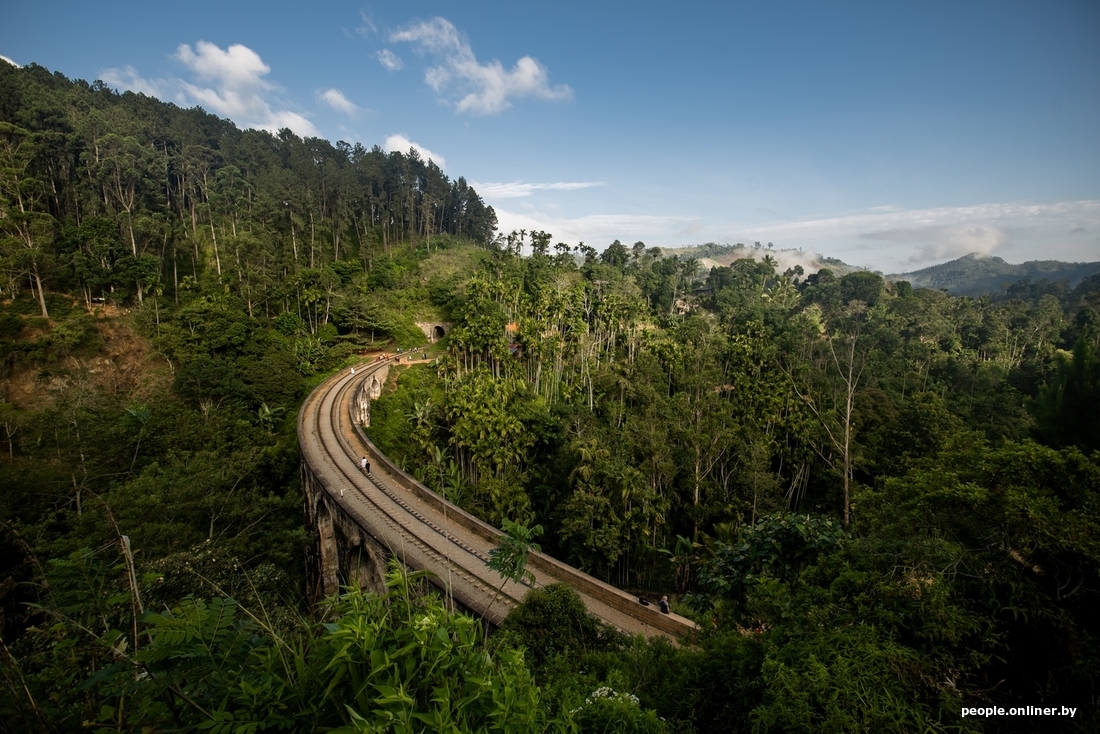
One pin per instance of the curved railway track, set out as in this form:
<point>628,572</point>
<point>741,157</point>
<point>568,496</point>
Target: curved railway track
<point>428,533</point>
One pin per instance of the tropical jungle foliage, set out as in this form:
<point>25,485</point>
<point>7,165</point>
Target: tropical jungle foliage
<point>880,503</point>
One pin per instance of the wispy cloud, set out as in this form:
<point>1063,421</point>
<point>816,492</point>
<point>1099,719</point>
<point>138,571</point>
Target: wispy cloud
<point>5,58</point>
<point>335,99</point>
<point>128,78</point>
<point>401,144</point>
<point>892,238</point>
<point>486,88</point>
<point>517,189</point>
<point>390,60</point>
<point>366,24</point>
<point>231,82</point>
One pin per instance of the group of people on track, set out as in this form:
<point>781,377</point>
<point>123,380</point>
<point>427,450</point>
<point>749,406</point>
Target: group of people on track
<point>397,355</point>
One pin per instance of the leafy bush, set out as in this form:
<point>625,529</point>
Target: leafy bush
<point>289,324</point>
<point>553,620</point>
<point>10,326</point>
<point>75,333</point>
<point>778,546</point>
<point>395,662</point>
<point>213,379</point>
<point>609,712</point>
<point>850,680</point>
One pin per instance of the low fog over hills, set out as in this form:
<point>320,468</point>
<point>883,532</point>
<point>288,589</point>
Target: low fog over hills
<point>712,254</point>
<point>970,275</point>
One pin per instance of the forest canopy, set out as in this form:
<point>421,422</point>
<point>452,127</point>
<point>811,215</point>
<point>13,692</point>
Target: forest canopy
<point>113,194</point>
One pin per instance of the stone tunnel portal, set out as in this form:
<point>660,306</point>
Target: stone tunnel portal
<point>434,330</point>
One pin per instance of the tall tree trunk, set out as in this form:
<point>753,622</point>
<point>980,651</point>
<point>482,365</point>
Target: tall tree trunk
<point>133,249</point>
<point>41,294</point>
<point>312,239</point>
<point>217,258</point>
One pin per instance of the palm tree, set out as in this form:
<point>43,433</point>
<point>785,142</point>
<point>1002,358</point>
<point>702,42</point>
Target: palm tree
<point>509,559</point>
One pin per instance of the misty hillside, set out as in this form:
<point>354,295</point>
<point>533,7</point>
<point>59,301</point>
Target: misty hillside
<point>712,254</point>
<point>975,275</point>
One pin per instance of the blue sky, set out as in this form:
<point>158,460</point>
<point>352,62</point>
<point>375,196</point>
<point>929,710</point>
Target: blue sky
<point>892,135</point>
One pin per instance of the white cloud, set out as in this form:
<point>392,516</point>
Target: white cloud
<point>238,87</point>
<point>598,230</point>
<point>488,87</point>
<point>401,144</point>
<point>279,119</point>
<point>390,60</point>
<point>5,58</point>
<point>945,242</point>
<point>335,99</point>
<point>231,83</point>
<point>238,68</point>
<point>128,78</point>
<point>517,189</point>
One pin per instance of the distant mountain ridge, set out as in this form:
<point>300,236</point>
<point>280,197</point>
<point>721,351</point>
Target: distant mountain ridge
<point>975,275</point>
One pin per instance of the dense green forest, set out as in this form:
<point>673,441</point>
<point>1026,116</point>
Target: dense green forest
<point>880,503</point>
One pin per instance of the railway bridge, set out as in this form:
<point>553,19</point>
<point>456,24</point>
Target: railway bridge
<point>361,521</point>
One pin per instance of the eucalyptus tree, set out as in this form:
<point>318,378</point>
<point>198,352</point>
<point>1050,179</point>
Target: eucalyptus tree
<point>26,229</point>
<point>700,414</point>
<point>839,342</point>
<point>124,169</point>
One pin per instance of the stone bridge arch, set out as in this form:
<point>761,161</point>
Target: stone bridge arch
<point>344,552</point>
<point>369,389</point>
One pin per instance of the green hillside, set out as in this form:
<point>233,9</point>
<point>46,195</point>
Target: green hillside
<point>975,275</point>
